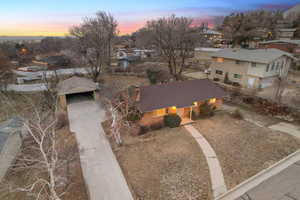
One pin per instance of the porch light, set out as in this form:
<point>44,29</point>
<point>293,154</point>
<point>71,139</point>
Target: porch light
<point>173,107</point>
<point>213,100</point>
<point>195,103</point>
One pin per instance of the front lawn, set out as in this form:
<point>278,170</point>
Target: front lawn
<point>166,164</point>
<point>243,148</point>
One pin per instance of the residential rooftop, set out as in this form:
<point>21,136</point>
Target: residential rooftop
<point>297,42</point>
<point>180,94</point>
<point>252,55</point>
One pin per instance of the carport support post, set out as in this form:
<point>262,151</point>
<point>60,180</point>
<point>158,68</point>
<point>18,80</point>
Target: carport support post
<point>63,102</point>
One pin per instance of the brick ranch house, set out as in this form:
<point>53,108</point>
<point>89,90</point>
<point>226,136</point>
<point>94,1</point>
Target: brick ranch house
<point>156,101</point>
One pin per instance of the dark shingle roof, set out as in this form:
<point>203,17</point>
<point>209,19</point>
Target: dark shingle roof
<point>179,94</point>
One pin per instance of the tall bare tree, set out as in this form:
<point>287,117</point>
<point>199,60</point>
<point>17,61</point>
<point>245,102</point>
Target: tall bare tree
<point>96,35</point>
<point>245,26</point>
<point>280,83</point>
<point>4,70</point>
<point>174,38</point>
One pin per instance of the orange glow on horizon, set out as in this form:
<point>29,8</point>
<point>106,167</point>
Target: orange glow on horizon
<point>60,29</point>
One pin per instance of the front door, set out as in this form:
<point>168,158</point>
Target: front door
<point>180,112</point>
<point>184,112</point>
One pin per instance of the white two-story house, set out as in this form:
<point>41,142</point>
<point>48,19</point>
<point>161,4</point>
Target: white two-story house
<point>257,68</point>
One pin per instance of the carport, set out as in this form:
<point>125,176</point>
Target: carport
<point>75,88</point>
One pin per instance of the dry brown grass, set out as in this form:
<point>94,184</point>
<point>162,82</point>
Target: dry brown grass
<point>17,104</point>
<point>123,81</point>
<point>244,149</point>
<point>164,165</point>
<point>67,146</point>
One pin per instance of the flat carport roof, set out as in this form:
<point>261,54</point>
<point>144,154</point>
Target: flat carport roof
<point>76,85</point>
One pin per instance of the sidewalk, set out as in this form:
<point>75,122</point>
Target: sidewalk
<point>215,170</point>
<point>278,182</point>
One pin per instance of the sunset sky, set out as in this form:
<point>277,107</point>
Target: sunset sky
<point>55,17</point>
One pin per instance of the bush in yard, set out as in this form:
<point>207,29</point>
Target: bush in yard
<point>133,117</point>
<point>237,114</point>
<point>157,125</point>
<point>206,110</point>
<point>144,130</point>
<point>172,120</point>
<point>152,76</point>
<point>194,115</point>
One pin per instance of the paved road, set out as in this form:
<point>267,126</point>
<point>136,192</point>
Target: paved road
<point>101,171</point>
<point>282,186</point>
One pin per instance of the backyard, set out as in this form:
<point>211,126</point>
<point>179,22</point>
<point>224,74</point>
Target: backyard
<point>244,149</point>
<point>165,164</point>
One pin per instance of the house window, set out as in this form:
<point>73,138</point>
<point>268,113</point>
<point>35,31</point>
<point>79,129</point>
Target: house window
<point>237,76</point>
<point>237,62</point>
<point>268,66</point>
<point>277,66</point>
<point>273,66</point>
<point>219,72</point>
<point>160,112</point>
<point>220,60</point>
<point>212,101</point>
<point>253,64</point>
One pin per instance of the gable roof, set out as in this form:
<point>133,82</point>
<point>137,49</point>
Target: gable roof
<point>255,55</point>
<point>179,94</point>
<point>76,84</point>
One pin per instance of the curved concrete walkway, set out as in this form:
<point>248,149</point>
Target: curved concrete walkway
<point>215,170</point>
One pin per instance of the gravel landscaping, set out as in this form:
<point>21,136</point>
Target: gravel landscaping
<point>243,148</point>
<point>164,165</point>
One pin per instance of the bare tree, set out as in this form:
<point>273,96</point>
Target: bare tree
<point>95,37</point>
<point>174,37</point>
<point>280,83</point>
<point>39,153</point>
<point>4,70</point>
<point>116,123</point>
<point>43,159</point>
<point>244,26</point>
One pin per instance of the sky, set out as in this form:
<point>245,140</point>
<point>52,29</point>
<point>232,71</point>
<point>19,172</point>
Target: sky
<point>55,17</point>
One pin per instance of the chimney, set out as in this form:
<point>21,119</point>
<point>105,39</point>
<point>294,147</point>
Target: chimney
<point>137,94</point>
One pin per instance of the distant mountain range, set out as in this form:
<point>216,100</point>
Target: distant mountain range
<point>21,38</point>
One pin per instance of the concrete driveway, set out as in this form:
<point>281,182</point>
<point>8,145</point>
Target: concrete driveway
<point>101,171</point>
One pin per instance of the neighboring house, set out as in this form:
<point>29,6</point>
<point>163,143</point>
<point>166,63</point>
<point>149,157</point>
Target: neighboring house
<point>291,46</point>
<point>204,54</point>
<point>183,98</point>
<point>256,68</point>
<point>126,61</point>
<point>10,143</point>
